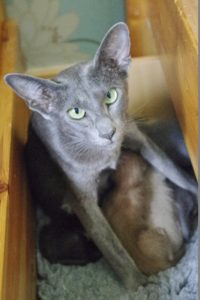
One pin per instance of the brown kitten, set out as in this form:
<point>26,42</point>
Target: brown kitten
<point>141,210</point>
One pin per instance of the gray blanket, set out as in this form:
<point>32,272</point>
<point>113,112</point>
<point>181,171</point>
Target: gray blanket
<point>98,282</point>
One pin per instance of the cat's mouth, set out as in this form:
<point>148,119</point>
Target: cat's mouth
<point>111,142</point>
<point>108,142</point>
<point>104,142</point>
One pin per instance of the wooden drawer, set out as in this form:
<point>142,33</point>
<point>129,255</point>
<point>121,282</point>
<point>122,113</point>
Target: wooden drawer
<point>17,243</point>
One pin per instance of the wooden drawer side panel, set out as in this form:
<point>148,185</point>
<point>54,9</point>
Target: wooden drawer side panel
<point>17,258</point>
<point>177,46</point>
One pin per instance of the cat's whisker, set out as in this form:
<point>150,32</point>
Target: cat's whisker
<point>139,110</point>
<point>138,120</point>
<point>80,147</point>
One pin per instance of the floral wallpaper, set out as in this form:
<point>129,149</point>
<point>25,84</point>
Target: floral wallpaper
<point>61,32</point>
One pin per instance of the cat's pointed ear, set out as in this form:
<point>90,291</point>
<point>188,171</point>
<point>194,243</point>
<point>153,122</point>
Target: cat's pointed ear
<point>39,94</point>
<point>115,48</point>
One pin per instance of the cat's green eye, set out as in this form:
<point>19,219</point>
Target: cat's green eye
<point>111,96</point>
<point>76,113</point>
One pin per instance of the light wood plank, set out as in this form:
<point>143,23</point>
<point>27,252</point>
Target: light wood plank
<point>2,11</point>
<point>17,258</point>
<point>177,46</point>
<point>142,42</point>
<point>189,11</point>
<point>148,94</point>
<point>6,110</point>
<point>2,18</point>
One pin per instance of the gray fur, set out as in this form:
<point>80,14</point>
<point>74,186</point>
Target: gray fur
<point>83,148</point>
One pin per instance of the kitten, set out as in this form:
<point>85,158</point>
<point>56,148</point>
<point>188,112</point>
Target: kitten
<point>141,208</point>
<point>79,119</point>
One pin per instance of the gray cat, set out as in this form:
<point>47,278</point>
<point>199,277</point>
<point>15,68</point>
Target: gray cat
<point>79,125</point>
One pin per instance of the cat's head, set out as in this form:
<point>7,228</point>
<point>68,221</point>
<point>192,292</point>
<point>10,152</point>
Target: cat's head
<point>88,101</point>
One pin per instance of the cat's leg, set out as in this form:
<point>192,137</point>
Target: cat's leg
<point>100,231</point>
<point>137,141</point>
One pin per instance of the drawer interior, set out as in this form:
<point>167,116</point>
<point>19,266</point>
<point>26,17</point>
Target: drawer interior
<point>148,98</point>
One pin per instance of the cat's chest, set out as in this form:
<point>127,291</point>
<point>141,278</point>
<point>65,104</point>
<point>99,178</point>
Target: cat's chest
<point>85,176</point>
<point>87,171</point>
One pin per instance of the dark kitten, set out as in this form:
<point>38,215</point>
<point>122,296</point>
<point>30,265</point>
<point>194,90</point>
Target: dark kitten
<point>64,239</point>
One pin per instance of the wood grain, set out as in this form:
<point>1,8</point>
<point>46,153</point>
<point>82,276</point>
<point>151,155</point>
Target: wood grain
<point>189,11</point>
<point>17,258</point>
<point>6,99</point>
<point>176,39</point>
<point>142,42</point>
<point>2,11</point>
<point>2,18</point>
<point>148,94</point>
